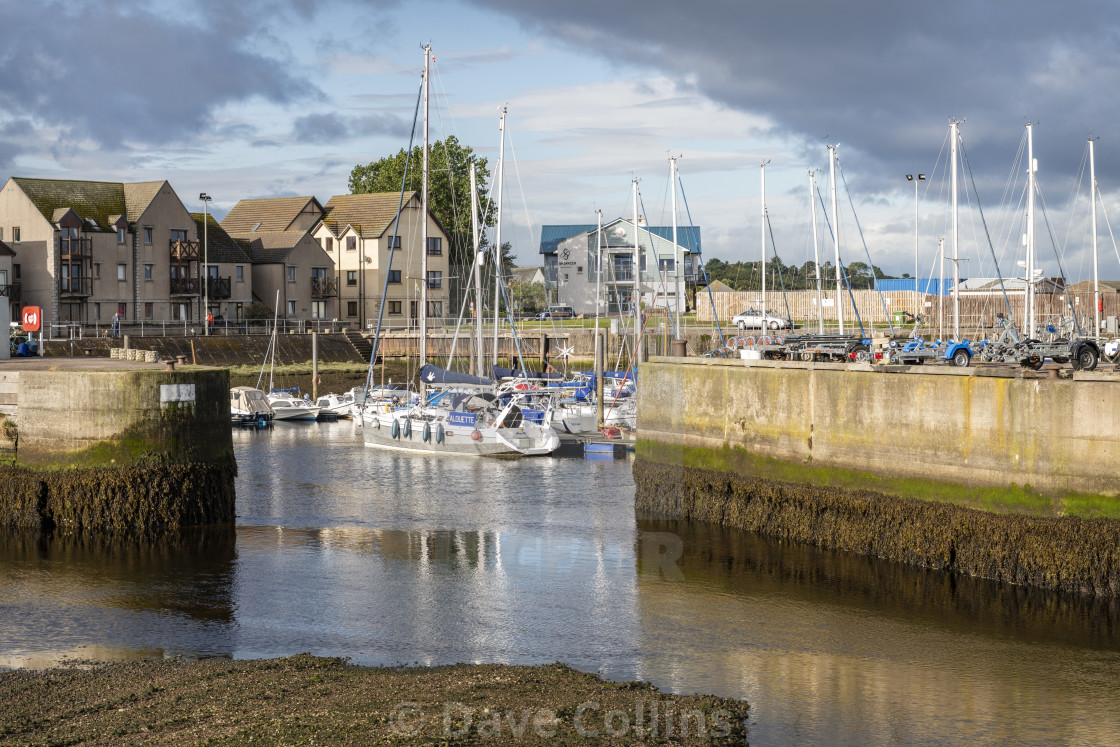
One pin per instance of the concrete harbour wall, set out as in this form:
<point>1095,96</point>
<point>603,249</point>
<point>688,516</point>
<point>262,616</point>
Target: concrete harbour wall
<point>117,451</point>
<point>980,472</point>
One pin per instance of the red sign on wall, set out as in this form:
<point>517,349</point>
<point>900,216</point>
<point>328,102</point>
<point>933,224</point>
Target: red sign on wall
<point>32,318</point>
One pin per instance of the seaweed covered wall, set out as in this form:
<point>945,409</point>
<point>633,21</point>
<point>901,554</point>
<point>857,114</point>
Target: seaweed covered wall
<point>120,452</point>
<point>1047,446</point>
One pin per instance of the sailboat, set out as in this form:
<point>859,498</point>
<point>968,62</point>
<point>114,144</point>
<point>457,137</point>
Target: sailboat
<point>286,404</point>
<point>457,413</point>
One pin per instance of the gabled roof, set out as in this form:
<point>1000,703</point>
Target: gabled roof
<point>370,215</point>
<point>220,246</point>
<point>5,250</point>
<point>270,248</point>
<point>267,215</point>
<point>96,200</point>
<point>551,236</point>
<point>718,286</point>
<point>138,196</point>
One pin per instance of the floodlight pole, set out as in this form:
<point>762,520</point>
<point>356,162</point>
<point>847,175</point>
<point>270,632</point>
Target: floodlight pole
<point>205,265</point>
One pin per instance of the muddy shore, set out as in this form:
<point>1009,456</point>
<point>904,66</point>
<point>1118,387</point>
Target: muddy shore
<point>311,700</point>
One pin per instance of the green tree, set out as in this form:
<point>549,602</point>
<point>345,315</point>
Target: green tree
<point>449,186</point>
<point>530,297</point>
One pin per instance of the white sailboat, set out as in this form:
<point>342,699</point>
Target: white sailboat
<point>458,413</point>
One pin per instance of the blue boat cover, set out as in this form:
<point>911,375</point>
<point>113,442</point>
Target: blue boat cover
<point>430,374</point>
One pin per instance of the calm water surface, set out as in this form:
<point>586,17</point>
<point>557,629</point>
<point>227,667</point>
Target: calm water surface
<point>340,549</point>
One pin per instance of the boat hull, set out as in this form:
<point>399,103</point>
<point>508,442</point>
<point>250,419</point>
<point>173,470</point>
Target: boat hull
<point>457,440</point>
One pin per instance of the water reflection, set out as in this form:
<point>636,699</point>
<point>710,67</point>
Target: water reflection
<point>67,597</point>
<point>839,649</point>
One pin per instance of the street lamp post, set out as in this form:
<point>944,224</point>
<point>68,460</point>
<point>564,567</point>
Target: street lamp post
<point>921,178</point>
<point>205,268</point>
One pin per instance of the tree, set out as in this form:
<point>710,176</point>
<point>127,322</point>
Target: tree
<point>529,297</point>
<point>449,187</point>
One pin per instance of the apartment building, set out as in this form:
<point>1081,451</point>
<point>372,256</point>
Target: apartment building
<point>289,266</point>
<point>85,250</point>
<point>373,252</point>
<point>229,269</point>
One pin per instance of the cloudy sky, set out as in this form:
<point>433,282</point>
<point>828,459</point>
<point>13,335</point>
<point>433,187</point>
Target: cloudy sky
<point>281,97</point>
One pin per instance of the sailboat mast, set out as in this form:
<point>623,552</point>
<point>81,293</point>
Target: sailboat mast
<point>598,264</point>
<point>424,223</point>
<point>1029,299</point>
<point>1093,223</point>
<point>836,236</point>
<point>498,230</point>
<point>477,274</point>
<point>816,251</point>
<point>954,136</point>
<point>637,286</point>
<point>678,291</point>
<point>941,290</point>
<point>763,236</point>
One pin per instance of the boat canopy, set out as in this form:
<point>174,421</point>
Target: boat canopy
<point>431,374</point>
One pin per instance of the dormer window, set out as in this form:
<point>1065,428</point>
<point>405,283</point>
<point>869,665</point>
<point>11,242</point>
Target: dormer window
<point>120,235</point>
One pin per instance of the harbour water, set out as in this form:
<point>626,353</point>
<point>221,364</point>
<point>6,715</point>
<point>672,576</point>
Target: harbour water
<point>389,558</point>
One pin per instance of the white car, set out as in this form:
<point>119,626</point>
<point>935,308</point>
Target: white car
<point>753,319</point>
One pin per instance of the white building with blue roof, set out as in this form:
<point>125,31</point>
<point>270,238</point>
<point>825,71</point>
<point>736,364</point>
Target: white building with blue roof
<point>573,255</point>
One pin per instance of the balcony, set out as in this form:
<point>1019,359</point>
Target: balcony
<point>12,292</point>
<point>218,288</point>
<point>75,287</point>
<point>324,286</point>
<point>184,250</point>
<point>73,250</point>
<point>185,286</point>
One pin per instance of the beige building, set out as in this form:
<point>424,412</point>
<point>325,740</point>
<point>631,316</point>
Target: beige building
<point>229,270</point>
<point>357,231</point>
<point>86,250</point>
<point>288,264</point>
<point>9,291</point>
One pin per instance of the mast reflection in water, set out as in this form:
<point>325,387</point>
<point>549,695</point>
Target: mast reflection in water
<point>395,558</point>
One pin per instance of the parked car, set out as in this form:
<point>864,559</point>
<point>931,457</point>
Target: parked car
<point>557,312</point>
<point>753,319</point>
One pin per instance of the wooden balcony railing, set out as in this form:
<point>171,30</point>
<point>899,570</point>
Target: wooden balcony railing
<point>324,286</point>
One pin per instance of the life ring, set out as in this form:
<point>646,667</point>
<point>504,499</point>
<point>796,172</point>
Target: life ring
<point>396,428</point>
<point>476,435</point>
<point>427,435</point>
<point>439,433</point>
<point>407,430</point>
<point>523,387</point>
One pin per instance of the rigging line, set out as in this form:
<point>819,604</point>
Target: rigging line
<point>984,222</point>
<point>462,313</point>
<point>1115,248</point>
<point>521,188</point>
<point>866,251</point>
<point>781,280</point>
<point>843,269</point>
<point>707,282</point>
<point>389,264</point>
<point>1061,270</point>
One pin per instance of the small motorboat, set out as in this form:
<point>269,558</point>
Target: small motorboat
<point>249,406</point>
<point>287,405</point>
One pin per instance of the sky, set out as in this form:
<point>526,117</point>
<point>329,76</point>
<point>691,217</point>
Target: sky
<point>270,98</point>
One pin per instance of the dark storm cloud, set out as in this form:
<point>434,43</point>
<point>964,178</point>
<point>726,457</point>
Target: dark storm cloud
<point>116,73</point>
<point>881,78</point>
<point>333,127</point>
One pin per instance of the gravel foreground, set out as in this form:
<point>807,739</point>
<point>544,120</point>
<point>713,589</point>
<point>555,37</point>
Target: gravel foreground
<point>311,700</point>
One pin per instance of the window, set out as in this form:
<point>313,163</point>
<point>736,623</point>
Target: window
<point>240,272</point>
<point>122,310</point>
<point>149,310</point>
<point>3,277</point>
<point>351,243</point>
<point>15,271</point>
<point>148,271</point>
<point>351,277</point>
<point>1,233</point>
<point>291,274</point>
<point>393,242</point>
<point>351,308</point>
<point>435,246</point>
<point>435,279</point>
<point>435,309</point>
<point>97,312</point>
<point>394,276</point>
<point>395,307</point>
<point>122,271</point>
<point>579,269</point>
<point>642,263</point>
<point>147,234</point>
<point>120,235</point>
<point>666,265</point>
<point>178,234</point>
<point>291,308</point>
<point>15,235</point>
<point>328,244</point>
<point>96,270</point>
